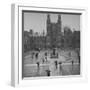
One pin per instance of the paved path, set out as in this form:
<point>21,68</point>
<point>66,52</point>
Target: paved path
<point>66,68</point>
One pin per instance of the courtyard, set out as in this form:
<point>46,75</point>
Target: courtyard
<point>66,63</point>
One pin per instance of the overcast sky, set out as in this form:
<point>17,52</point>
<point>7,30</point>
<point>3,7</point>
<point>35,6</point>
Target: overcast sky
<point>37,21</point>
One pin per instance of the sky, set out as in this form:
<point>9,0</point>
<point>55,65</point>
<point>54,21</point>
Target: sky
<point>37,21</point>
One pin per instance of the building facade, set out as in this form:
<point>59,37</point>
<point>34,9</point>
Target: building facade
<point>54,38</point>
<point>54,33</point>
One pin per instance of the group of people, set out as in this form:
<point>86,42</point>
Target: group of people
<point>36,55</point>
<point>44,59</point>
<point>56,64</point>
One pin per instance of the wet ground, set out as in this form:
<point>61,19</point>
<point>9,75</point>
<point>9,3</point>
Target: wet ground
<point>48,67</point>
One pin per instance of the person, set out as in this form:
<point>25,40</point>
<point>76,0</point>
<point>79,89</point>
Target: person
<point>36,55</point>
<point>60,66</point>
<point>46,56</point>
<point>56,63</point>
<point>38,65</point>
<point>48,72</point>
<point>79,59</point>
<point>72,62</point>
<point>72,65</point>
<point>78,55</point>
<point>45,53</point>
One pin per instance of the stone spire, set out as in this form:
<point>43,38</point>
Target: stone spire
<point>48,19</point>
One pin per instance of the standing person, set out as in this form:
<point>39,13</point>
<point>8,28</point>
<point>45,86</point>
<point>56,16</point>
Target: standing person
<point>45,53</point>
<point>46,56</point>
<point>38,68</point>
<point>56,63</point>
<point>38,65</point>
<point>79,59</point>
<point>78,53</point>
<point>72,62</point>
<point>60,66</point>
<point>72,65</point>
<point>36,55</point>
<point>48,72</point>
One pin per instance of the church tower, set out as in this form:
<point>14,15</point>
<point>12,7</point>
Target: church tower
<point>59,23</point>
<point>59,30</point>
<point>53,32</point>
<point>48,24</point>
<point>48,19</point>
<point>59,18</point>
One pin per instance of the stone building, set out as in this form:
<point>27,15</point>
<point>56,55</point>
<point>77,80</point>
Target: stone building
<point>53,32</point>
<point>68,35</point>
<point>54,38</point>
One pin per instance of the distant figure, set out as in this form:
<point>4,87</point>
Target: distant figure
<point>78,55</point>
<point>72,66</point>
<point>46,56</point>
<point>38,65</point>
<point>56,63</point>
<point>48,72</point>
<point>45,53</point>
<point>60,66</point>
<point>79,59</point>
<point>36,55</point>
<point>72,62</point>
